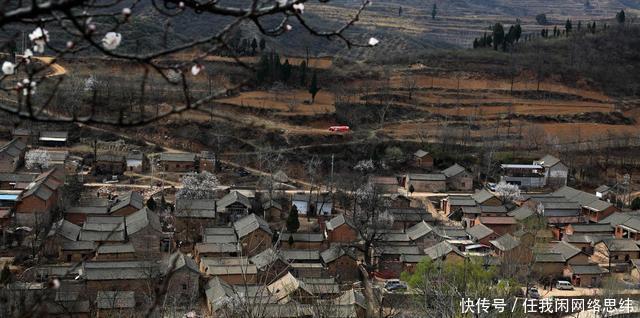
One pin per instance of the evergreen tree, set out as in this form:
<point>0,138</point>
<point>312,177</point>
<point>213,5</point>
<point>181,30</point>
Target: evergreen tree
<point>254,46</point>
<point>593,28</point>
<point>555,31</point>
<point>411,189</point>
<point>517,32</point>
<point>263,69</point>
<point>151,204</point>
<point>263,44</point>
<point>498,35</point>
<point>620,17</point>
<point>303,73</point>
<point>313,88</point>
<point>434,11</point>
<point>286,71</point>
<point>5,274</point>
<point>579,26</point>
<point>291,239</point>
<point>635,204</point>
<point>567,27</point>
<point>475,43</point>
<point>400,11</point>
<point>293,224</point>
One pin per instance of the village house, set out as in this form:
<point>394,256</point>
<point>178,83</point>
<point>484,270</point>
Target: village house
<point>144,231</point>
<point>103,229</point>
<point>455,203</point>
<point>341,263</point>
<point>385,184</point>
<point>289,287</point>
<point>493,210</point>
<point>592,207</point>
<point>217,242</point>
<point>445,252</point>
<point>61,232</point>
<point>67,303</point>
<point>184,279</point>
<point>511,250</point>
<point>53,138</point>
<point>116,252</point>
<point>458,178</point>
<point>78,213</point>
<point>135,276</point>
<point>404,218</point>
<point>322,287</point>
<point>548,266</point>
<point>630,229</point>
<point>39,199</point>
<point>526,176</point>
<point>115,303</point>
<point>23,134</point>
<point>482,234</point>
<point>400,201</point>
<point>522,213</point>
<point>572,254</point>
<point>217,291</point>
<point>127,204</point>
<point>16,181</point>
<point>615,254</point>
<point>315,205</point>
<point>302,241</point>
<point>304,263</point>
<point>272,210</point>
<point>135,161</point>
<point>486,198</point>
<point>555,171</point>
<point>253,234</point>
<point>177,162</point>
<point>206,161</point>
<point>595,229</point>
<point>271,265</point>
<point>231,207</point>
<point>12,155</point>
<point>110,164</point>
<point>194,214</point>
<point>589,276</point>
<point>340,230</point>
<point>422,159</point>
<point>434,182</point>
<point>233,270</point>
<point>351,303</point>
<point>75,251</point>
<point>501,225</point>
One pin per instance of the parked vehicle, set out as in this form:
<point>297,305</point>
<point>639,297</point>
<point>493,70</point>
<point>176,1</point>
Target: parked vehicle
<point>339,128</point>
<point>394,284</point>
<point>564,285</point>
<point>491,186</point>
<point>534,293</point>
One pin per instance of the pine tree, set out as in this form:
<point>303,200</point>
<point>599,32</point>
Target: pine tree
<point>498,35</point>
<point>303,73</point>
<point>517,32</point>
<point>291,241</point>
<point>254,46</point>
<point>151,204</point>
<point>475,43</point>
<point>434,11</point>
<point>286,71</point>
<point>313,88</point>
<point>579,26</point>
<point>263,44</point>
<point>620,17</point>
<point>5,274</point>
<point>400,11</point>
<point>567,27</point>
<point>411,189</point>
<point>293,224</point>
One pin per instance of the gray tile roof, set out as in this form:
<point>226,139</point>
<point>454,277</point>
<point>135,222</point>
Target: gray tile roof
<point>337,221</point>
<point>67,230</point>
<point>618,218</point>
<point>266,258</point>
<point>115,299</point>
<point>420,153</point>
<point>567,250</point>
<point>103,228</point>
<point>178,261</point>
<point>116,248</point>
<point>227,266</point>
<point>13,148</point>
<point>204,248</point>
<point>231,198</point>
<point>301,255</point>
<point>441,249</point>
<point>250,223</point>
<point>132,198</point>
<point>178,156</point>
<point>142,219</point>
<point>621,245</point>
<point>632,223</point>
<point>451,232</point>
<point>493,209</point>
<point>548,161</point>
<point>592,228</point>
<point>591,269</point>
<point>202,208</point>
<point>399,250</point>
<point>427,177</point>
<point>585,199</point>
<point>78,246</point>
<point>479,231</point>
<point>302,237</point>
<point>410,214</point>
<point>521,213</point>
<point>456,200</point>
<point>419,230</point>
<point>549,258</point>
<point>482,196</point>
<point>120,270</point>
<point>453,171</point>
<point>506,242</point>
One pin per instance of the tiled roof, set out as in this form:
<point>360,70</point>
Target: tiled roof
<point>177,156</point>
<point>506,242</point>
<point>479,231</point>
<point>453,171</point>
<point>441,249</point>
<point>250,223</point>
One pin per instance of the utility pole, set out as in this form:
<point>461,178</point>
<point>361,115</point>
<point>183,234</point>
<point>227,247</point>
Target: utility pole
<point>332,155</point>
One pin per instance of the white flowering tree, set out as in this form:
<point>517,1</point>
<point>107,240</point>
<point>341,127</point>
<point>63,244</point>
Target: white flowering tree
<point>507,192</point>
<point>198,186</point>
<point>364,166</point>
<point>37,159</point>
<point>61,28</point>
<point>370,217</point>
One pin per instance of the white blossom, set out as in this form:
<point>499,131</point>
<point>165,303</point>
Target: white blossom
<point>37,158</point>
<point>373,41</point>
<point>126,11</point>
<point>198,186</point>
<point>288,27</point>
<point>39,37</point>
<point>181,4</point>
<point>70,44</point>
<point>91,27</point>
<point>8,68</point>
<point>507,192</point>
<point>111,40</point>
<point>90,83</point>
<point>28,54</point>
<point>196,68</point>
<point>299,7</point>
<point>364,165</point>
